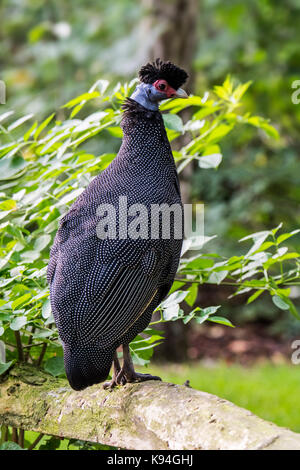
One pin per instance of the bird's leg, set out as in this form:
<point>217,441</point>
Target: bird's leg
<point>128,371</point>
<point>117,369</point>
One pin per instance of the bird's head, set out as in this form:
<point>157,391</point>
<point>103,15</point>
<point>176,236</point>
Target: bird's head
<point>159,81</point>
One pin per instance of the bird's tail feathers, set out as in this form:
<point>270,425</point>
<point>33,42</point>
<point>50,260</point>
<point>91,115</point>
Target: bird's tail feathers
<point>86,365</point>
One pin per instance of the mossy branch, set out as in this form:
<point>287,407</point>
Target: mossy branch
<point>150,415</point>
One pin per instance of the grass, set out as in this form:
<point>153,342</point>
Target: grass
<point>269,391</point>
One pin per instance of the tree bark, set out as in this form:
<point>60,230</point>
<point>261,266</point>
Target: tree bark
<point>149,415</point>
<point>176,21</point>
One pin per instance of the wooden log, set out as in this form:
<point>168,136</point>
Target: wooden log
<point>149,415</point>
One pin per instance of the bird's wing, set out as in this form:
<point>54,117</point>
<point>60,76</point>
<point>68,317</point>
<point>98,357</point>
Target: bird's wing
<point>105,320</point>
<point>97,289</point>
<point>103,305</point>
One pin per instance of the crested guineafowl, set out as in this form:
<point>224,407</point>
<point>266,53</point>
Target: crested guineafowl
<point>112,261</point>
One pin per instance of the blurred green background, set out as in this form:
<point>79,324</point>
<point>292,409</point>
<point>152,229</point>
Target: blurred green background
<point>54,50</point>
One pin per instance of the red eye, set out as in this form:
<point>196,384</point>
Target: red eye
<point>162,86</point>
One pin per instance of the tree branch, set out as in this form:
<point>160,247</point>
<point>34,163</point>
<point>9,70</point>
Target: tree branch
<point>19,346</point>
<point>149,415</point>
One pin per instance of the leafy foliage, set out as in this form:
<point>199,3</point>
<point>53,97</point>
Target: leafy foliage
<point>257,186</point>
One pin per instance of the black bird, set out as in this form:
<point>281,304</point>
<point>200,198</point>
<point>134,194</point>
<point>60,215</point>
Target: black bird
<point>105,287</point>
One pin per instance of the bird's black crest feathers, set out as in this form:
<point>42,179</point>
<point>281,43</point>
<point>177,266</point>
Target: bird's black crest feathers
<point>159,70</point>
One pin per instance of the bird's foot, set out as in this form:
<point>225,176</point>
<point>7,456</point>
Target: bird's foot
<point>126,374</point>
<point>109,385</point>
<point>136,377</point>
<point>122,379</point>
<point>128,371</point>
<point>118,379</point>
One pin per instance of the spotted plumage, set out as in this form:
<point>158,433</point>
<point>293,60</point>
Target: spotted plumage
<point>103,291</point>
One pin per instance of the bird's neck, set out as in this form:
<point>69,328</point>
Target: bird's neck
<point>139,121</point>
<point>144,136</point>
<point>142,96</point>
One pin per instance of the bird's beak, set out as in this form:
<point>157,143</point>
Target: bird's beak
<point>180,93</point>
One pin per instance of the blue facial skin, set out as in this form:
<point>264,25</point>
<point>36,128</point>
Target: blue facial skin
<point>148,96</point>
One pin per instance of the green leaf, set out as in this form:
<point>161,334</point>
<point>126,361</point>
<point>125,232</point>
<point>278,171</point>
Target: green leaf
<point>221,320</point>
<point>4,366</point>
<point>217,277</point>
<point>270,130</point>
<point>284,292</point>
<point>102,86</point>
<point>255,296</point>
<point>192,295</point>
<point>285,236</point>
<point>218,133</point>
<point>115,131</point>
<point>262,123</point>
<point>138,359</point>
<point>41,334</point>
<point>18,323</point>
<point>43,125</point>
<point>10,446</point>
<point>6,115</point>
<point>20,300</point>
<point>280,303</point>
<point>200,318</point>
<point>211,310</point>
<point>192,315</point>
<point>173,122</point>
<point>203,315</point>
<point>30,131</point>
<point>293,309</point>
<point>19,122</point>
<point>11,167</point>
<point>174,299</point>
<point>240,90</point>
<point>275,230</point>
<point>55,366</point>
<point>176,105</point>
<point>258,239</point>
<point>84,97</point>
<point>30,256</point>
<point>194,125</point>
<point>210,161</point>
<point>41,242</point>
<point>200,263</point>
<point>51,443</point>
<point>171,312</point>
<point>4,316</point>
<point>46,309</point>
<point>70,196</point>
<point>8,205</point>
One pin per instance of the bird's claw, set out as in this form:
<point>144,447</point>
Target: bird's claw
<point>122,379</point>
<point>136,377</point>
<point>118,379</point>
<point>109,385</point>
